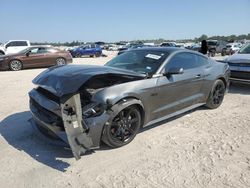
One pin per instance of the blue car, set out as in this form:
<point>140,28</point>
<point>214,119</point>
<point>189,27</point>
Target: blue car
<point>91,50</point>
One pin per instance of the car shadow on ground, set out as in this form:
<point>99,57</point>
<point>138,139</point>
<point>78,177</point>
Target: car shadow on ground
<point>239,88</point>
<point>17,130</point>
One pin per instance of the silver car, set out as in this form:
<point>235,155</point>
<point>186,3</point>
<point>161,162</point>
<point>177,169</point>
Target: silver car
<point>239,65</point>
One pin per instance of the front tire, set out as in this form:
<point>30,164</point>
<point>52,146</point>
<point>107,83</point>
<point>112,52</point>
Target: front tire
<point>123,128</point>
<point>60,61</point>
<point>216,95</point>
<point>15,65</point>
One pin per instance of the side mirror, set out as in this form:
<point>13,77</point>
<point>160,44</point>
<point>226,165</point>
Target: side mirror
<point>28,53</point>
<point>173,70</point>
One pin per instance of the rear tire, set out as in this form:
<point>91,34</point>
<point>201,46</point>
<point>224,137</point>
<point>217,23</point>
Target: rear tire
<point>2,53</point>
<point>78,55</point>
<point>123,128</point>
<point>97,54</point>
<point>15,65</point>
<point>216,95</point>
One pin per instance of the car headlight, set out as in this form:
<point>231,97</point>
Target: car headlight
<point>93,110</point>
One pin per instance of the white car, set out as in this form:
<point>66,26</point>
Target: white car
<point>14,46</point>
<point>231,48</point>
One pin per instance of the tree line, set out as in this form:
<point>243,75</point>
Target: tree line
<point>230,38</point>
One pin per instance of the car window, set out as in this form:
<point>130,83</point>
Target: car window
<point>21,43</point>
<point>10,44</point>
<point>186,61</point>
<point>38,50</point>
<point>92,46</point>
<point>200,60</point>
<point>34,50</point>
<point>17,43</point>
<point>245,49</point>
<point>42,50</point>
<point>211,43</point>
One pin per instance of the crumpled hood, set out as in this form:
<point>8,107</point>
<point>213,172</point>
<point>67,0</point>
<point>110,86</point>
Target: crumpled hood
<point>239,58</point>
<point>62,80</point>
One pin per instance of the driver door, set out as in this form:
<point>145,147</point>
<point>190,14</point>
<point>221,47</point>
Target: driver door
<point>179,91</point>
<point>35,57</point>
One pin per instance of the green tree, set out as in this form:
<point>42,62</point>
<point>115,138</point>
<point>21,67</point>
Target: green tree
<point>203,37</point>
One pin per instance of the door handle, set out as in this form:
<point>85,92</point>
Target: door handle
<point>198,76</point>
<point>154,94</point>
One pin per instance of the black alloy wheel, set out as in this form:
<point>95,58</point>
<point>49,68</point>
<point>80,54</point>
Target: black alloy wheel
<point>216,95</point>
<point>123,127</point>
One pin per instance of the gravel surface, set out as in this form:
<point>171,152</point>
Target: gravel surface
<point>202,148</point>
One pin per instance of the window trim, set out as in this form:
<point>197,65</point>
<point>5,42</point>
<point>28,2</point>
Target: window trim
<point>161,69</point>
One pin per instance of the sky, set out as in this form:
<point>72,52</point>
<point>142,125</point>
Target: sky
<point>117,20</point>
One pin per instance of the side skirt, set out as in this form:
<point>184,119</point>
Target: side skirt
<point>174,114</point>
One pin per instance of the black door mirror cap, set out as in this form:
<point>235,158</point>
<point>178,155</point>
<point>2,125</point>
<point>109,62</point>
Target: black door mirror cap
<point>173,70</point>
<point>28,53</point>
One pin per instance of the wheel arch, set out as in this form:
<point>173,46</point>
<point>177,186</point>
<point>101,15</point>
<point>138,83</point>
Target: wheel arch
<point>223,80</point>
<point>130,101</point>
<point>118,107</point>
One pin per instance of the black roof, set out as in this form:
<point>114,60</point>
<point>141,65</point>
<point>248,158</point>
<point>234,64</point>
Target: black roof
<point>161,49</point>
<point>168,50</point>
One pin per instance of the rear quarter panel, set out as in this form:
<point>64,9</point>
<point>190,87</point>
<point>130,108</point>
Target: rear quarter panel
<point>214,71</point>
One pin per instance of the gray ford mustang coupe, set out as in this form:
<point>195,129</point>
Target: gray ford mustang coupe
<point>86,104</point>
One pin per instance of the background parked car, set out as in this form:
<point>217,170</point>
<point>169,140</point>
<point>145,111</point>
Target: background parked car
<point>194,47</point>
<point>231,48</point>
<point>168,44</point>
<point>132,46</point>
<point>215,46</point>
<point>36,56</point>
<point>92,50</point>
<point>111,47</point>
<point>239,64</point>
<point>13,46</point>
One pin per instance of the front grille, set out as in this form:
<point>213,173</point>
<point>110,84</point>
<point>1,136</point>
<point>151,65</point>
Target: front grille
<point>45,115</point>
<point>239,64</point>
<point>48,94</point>
<point>240,75</point>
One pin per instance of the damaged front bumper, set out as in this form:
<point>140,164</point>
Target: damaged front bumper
<point>64,120</point>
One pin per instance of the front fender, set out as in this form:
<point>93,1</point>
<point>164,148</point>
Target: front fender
<point>96,124</point>
<point>122,104</point>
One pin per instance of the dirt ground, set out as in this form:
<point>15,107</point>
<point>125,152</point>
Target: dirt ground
<point>202,148</point>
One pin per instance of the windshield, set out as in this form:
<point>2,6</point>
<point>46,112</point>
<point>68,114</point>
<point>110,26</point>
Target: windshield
<point>211,43</point>
<point>245,49</point>
<point>141,61</point>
